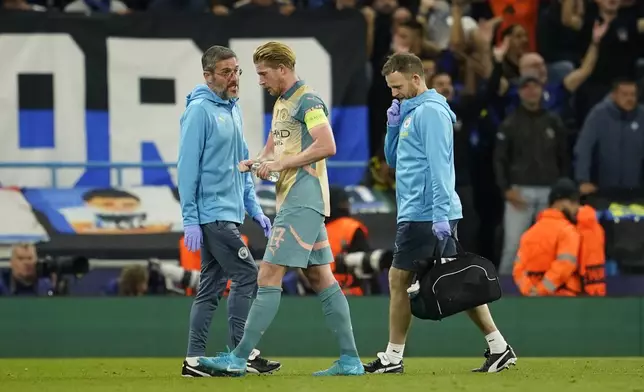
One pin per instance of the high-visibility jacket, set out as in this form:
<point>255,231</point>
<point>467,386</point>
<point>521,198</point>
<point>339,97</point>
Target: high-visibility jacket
<point>340,232</point>
<point>524,13</point>
<point>592,252</point>
<point>192,261</point>
<point>547,259</point>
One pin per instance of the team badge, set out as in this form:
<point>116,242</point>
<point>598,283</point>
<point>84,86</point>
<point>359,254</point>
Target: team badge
<point>407,122</point>
<point>243,253</point>
<point>283,115</point>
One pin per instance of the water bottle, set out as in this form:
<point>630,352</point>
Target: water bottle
<point>272,176</point>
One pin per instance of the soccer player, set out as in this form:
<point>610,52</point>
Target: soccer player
<point>420,145</point>
<point>300,142</point>
<point>213,196</point>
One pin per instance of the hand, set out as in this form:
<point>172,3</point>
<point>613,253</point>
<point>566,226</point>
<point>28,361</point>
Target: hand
<point>245,165</point>
<point>513,197</point>
<point>587,188</point>
<point>265,224</point>
<point>266,167</point>
<point>193,238</point>
<point>486,28</point>
<point>441,230</point>
<point>393,113</point>
<point>499,51</point>
<point>599,30</point>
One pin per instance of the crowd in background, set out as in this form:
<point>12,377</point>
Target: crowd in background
<point>542,89</point>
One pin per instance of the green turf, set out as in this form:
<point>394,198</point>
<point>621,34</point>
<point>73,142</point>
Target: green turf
<point>424,374</point>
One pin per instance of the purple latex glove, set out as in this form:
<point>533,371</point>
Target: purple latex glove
<point>393,113</point>
<point>265,223</point>
<point>441,230</point>
<point>193,237</point>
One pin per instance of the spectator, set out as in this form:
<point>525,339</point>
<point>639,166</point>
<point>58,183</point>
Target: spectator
<point>22,279</point>
<point>467,106</point>
<point>560,46</point>
<point>618,51</point>
<point>381,177</point>
<point>531,153</point>
<point>523,13</point>
<point>517,46</point>
<point>556,93</point>
<point>615,130</point>
<point>133,281</point>
<point>98,6</point>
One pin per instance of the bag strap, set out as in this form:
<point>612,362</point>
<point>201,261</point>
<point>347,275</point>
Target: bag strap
<point>459,248</point>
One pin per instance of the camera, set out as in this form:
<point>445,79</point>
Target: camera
<point>57,268</point>
<point>364,264</point>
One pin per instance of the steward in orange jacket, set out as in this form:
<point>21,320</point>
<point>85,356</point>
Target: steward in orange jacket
<point>562,254</point>
<point>346,235</point>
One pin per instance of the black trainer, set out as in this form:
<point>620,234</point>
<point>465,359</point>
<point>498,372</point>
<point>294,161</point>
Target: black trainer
<point>198,371</point>
<point>495,363</point>
<point>383,365</point>
<point>259,365</point>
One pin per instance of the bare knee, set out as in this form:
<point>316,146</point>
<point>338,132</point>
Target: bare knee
<point>399,280</point>
<point>320,277</point>
<point>270,274</point>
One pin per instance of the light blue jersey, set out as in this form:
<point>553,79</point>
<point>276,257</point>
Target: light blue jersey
<point>211,187</point>
<point>421,149</point>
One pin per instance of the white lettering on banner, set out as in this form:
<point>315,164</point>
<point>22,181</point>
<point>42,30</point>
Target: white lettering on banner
<point>313,65</point>
<point>131,122</point>
<point>57,55</point>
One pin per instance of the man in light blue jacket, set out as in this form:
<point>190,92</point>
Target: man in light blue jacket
<point>214,195</point>
<point>420,145</point>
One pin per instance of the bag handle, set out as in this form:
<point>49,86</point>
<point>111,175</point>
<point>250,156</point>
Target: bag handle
<point>459,248</point>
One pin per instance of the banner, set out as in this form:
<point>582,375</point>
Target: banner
<point>140,210</point>
<point>18,223</point>
<point>83,89</point>
<point>143,221</point>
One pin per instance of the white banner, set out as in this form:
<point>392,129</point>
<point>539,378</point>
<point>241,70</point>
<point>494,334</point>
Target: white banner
<point>18,223</point>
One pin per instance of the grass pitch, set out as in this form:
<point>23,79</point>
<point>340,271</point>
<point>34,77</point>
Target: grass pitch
<point>424,374</point>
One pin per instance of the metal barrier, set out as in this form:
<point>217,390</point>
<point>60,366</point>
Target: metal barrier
<point>54,167</point>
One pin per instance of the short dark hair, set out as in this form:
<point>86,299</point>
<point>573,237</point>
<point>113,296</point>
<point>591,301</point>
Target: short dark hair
<point>414,25</point>
<point>405,63</point>
<point>437,74</point>
<point>215,54</point>
<point>623,81</point>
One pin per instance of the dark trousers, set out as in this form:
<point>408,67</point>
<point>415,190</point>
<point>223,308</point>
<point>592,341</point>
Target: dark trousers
<point>223,256</point>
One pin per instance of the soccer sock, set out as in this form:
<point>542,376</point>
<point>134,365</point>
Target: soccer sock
<point>395,352</point>
<point>260,317</point>
<point>338,318</point>
<point>496,342</point>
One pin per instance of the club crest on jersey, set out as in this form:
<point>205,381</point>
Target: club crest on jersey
<point>243,253</point>
<point>283,115</point>
<point>407,122</point>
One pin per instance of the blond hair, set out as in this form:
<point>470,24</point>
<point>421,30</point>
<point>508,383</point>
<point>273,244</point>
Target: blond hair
<point>273,54</point>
